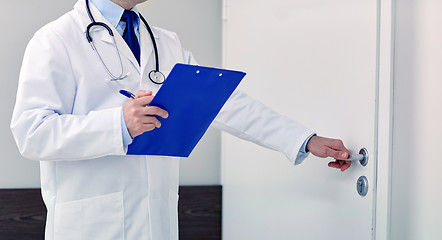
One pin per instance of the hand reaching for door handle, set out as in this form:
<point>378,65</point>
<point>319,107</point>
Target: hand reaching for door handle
<point>326,147</point>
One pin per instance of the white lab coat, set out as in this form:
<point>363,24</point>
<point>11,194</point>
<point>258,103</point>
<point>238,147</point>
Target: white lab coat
<point>69,118</point>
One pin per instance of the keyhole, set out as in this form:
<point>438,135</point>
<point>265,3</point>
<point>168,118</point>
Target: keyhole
<point>362,186</point>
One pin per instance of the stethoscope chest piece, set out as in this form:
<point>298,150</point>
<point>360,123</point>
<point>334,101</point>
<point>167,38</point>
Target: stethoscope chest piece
<point>156,77</point>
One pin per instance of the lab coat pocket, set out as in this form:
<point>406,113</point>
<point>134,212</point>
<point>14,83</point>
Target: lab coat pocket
<point>94,218</point>
<point>173,213</point>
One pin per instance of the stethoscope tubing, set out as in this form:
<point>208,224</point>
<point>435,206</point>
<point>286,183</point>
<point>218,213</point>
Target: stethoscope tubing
<point>154,43</point>
<point>156,73</point>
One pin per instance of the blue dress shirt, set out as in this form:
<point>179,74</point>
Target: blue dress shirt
<point>113,13</point>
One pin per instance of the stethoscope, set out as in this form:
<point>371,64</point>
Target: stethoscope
<point>155,75</point>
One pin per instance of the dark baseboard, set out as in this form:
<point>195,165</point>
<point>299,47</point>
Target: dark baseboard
<point>23,214</point>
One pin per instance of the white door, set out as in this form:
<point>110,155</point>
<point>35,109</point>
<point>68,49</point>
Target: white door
<point>315,61</point>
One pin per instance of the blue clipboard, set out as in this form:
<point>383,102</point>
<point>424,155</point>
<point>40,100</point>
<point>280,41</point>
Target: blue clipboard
<point>193,96</point>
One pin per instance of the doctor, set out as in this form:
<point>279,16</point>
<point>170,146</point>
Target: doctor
<point>70,117</point>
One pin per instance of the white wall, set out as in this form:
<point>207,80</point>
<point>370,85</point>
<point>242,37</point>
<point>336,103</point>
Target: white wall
<point>416,205</point>
<point>197,22</point>
<point>15,171</point>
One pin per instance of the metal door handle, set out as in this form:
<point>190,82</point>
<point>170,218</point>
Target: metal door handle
<point>362,157</point>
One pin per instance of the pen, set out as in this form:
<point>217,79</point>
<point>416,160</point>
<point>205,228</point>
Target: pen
<point>127,94</point>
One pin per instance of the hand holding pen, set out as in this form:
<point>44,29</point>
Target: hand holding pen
<point>138,116</point>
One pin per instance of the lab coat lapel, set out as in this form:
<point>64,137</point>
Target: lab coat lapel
<point>83,19</point>
<point>146,47</point>
<point>125,50</point>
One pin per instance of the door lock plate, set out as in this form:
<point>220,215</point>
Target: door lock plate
<point>362,186</point>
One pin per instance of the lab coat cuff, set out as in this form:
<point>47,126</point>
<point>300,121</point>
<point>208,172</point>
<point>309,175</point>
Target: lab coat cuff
<point>304,145</point>
<point>121,148</point>
<point>300,152</point>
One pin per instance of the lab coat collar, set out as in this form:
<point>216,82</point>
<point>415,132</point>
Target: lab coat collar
<point>110,10</point>
<point>80,6</point>
<point>145,41</point>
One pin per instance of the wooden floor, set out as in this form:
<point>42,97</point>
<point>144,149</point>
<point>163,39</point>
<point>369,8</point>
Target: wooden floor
<point>23,214</point>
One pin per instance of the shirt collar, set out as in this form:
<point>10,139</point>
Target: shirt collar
<point>111,11</point>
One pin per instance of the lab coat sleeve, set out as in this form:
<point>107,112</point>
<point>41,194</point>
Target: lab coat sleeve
<point>251,120</point>
<point>43,125</point>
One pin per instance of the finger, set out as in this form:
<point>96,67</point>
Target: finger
<point>142,93</point>
<point>339,155</point>
<point>342,165</point>
<point>345,165</point>
<point>342,155</point>
<point>336,154</point>
<point>143,100</point>
<point>156,111</point>
<point>148,127</point>
<point>334,165</point>
<point>152,120</point>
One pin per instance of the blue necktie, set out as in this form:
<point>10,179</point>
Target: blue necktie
<point>129,36</point>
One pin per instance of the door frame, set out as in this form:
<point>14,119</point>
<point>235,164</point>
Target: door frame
<point>384,82</point>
